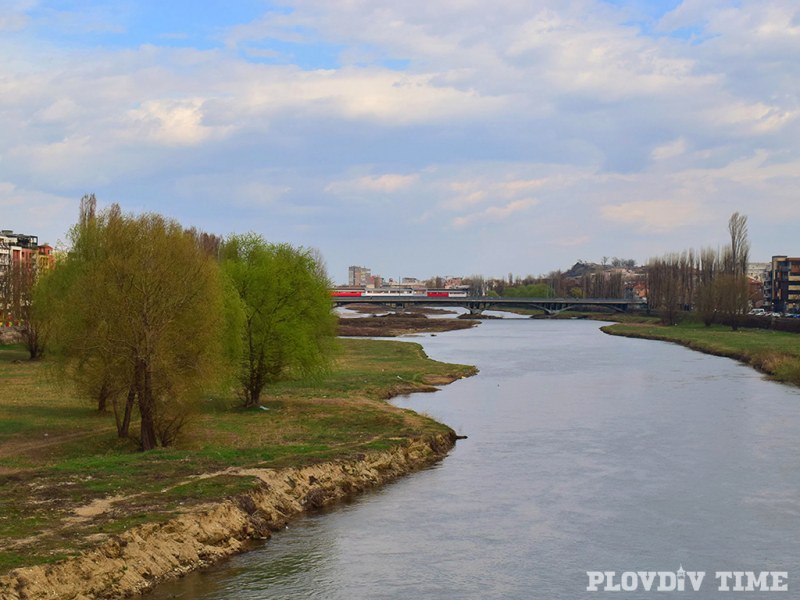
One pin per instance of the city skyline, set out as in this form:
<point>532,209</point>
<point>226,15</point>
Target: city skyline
<point>421,138</point>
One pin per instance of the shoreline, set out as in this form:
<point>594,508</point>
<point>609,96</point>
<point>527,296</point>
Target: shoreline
<point>139,559</point>
<point>136,559</point>
<point>778,366</point>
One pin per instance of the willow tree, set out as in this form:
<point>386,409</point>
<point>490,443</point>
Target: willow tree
<point>141,316</point>
<point>288,323</point>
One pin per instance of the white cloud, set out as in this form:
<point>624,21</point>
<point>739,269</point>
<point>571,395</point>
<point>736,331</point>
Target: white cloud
<point>656,216</point>
<point>35,212</point>
<point>495,213</point>
<point>174,123</point>
<point>12,21</point>
<point>379,184</point>
<point>570,242</point>
<point>669,150</point>
<point>568,107</point>
<point>758,118</point>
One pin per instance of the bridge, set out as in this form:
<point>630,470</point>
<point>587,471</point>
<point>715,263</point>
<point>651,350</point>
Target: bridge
<point>477,304</point>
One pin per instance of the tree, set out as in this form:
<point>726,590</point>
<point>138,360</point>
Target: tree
<point>663,287</point>
<point>141,317</point>
<point>22,281</point>
<point>740,246</point>
<point>288,326</point>
<point>733,287</point>
<point>733,295</point>
<point>707,302</point>
<point>477,285</point>
<point>534,290</point>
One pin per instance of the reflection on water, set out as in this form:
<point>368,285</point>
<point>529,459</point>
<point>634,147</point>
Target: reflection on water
<point>585,452</point>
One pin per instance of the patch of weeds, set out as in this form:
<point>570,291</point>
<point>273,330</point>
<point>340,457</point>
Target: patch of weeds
<point>214,487</point>
<point>121,524</point>
<point>13,560</point>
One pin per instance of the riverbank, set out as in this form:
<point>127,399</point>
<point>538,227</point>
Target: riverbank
<point>138,559</point>
<point>774,353</point>
<point>83,514</point>
<point>394,325</point>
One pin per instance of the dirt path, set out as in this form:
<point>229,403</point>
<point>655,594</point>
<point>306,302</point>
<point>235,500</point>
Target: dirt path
<point>21,446</point>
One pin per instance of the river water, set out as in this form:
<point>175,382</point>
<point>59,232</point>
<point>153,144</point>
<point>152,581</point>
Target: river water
<point>586,452</point>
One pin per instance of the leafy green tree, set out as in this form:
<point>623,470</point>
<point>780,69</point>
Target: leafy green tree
<point>575,292</point>
<point>141,317</point>
<point>533,290</point>
<point>288,322</point>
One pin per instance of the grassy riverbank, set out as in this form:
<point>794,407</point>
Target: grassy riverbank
<point>776,353</point>
<point>67,482</point>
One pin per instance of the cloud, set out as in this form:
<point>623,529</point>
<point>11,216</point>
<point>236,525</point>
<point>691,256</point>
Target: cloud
<point>13,21</point>
<point>571,242</point>
<point>380,184</point>
<point>604,116</point>
<point>171,122</point>
<point>495,213</point>
<point>654,216</point>
<point>669,150</point>
<point>760,118</point>
<point>34,212</point>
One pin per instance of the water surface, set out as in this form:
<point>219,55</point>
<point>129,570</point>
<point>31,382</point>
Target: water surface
<point>585,452</point>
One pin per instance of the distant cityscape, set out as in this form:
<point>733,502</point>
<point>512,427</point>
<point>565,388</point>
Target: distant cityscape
<point>774,285</point>
<point>363,277</point>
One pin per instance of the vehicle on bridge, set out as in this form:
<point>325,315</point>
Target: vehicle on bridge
<point>393,292</point>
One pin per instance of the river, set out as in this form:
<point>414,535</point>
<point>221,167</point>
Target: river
<point>586,452</point>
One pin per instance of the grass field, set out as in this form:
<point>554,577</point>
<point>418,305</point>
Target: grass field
<point>776,353</point>
<point>60,459</point>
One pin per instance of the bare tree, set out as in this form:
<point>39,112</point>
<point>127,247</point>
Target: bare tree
<point>663,287</point>
<point>22,282</point>
<point>733,298</point>
<point>87,210</point>
<point>740,245</point>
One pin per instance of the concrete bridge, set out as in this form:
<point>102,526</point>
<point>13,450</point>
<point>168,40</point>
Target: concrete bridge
<point>477,304</point>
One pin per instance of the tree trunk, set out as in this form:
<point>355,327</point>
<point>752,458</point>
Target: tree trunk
<point>147,410</point>
<point>102,397</point>
<point>32,341</point>
<point>124,427</point>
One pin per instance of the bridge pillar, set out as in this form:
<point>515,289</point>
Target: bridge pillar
<point>476,308</point>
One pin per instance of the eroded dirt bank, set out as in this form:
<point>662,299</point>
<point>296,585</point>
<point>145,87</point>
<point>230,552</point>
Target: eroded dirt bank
<point>138,559</point>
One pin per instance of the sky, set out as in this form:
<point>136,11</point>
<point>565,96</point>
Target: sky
<point>417,138</point>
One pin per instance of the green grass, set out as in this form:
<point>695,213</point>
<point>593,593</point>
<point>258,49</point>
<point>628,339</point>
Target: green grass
<point>776,353</point>
<point>213,487</point>
<point>58,453</point>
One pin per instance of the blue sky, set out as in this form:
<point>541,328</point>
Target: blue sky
<point>416,138</point>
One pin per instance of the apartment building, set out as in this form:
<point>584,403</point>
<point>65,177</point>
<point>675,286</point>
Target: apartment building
<point>782,285</point>
<point>358,276</point>
<point>23,252</point>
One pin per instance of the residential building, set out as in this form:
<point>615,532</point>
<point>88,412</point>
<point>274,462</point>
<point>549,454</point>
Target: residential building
<point>758,270</point>
<point>782,286</point>
<point>358,276</point>
<point>19,251</point>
